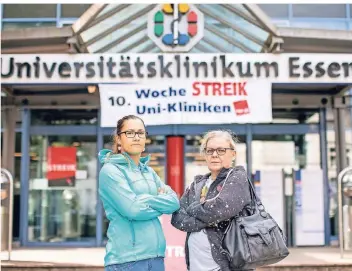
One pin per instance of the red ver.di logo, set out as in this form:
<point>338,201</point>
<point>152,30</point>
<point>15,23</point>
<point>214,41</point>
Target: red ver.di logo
<point>241,107</point>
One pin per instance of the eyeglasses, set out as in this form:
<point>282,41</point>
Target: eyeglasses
<point>219,151</point>
<point>132,134</point>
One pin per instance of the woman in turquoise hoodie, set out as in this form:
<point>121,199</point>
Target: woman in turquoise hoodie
<point>133,197</point>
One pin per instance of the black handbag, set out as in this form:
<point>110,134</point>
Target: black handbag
<point>253,238</point>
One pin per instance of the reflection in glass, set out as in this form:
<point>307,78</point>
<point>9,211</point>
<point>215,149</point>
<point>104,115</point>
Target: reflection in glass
<point>20,25</point>
<point>29,11</point>
<point>64,117</point>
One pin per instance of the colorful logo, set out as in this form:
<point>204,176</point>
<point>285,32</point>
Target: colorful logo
<point>175,27</point>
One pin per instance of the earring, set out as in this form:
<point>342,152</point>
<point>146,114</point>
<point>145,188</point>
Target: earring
<point>144,149</point>
<point>119,148</point>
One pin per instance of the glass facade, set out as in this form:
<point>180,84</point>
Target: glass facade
<point>315,16</point>
<point>63,212</point>
<point>18,16</point>
<point>36,15</point>
<point>318,16</point>
<point>64,117</point>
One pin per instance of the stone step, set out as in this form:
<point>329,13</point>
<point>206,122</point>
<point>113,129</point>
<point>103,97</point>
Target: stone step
<point>35,266</point>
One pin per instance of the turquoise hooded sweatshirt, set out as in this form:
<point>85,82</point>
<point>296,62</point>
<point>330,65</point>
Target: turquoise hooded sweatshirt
<point>129,193</point>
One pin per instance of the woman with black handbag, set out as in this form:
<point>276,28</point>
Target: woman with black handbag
<point>205,214</point>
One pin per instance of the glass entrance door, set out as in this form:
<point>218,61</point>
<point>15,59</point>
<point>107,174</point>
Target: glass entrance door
<point>62,189</point>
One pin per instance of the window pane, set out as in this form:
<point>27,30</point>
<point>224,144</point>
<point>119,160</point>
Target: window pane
<point>10,26</point>
<point>73,10</point>
<point>29,11</point>
<point>319,10</point>
<point>275,10</point>
<point>64,117</point>
<point>321,25</point>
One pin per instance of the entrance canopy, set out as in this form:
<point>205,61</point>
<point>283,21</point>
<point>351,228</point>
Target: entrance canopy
<point>237,28</point>
<point>227,29</point>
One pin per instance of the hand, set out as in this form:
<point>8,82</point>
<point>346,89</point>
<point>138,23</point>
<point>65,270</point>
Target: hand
<point>161,190</point>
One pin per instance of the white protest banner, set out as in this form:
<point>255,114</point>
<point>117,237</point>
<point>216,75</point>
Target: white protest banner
<point>187,102</point>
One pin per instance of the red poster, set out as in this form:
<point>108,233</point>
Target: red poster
<point>61,166</point>
<point>175,246</point>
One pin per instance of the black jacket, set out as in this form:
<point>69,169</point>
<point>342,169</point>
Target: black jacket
<point>213,215</point>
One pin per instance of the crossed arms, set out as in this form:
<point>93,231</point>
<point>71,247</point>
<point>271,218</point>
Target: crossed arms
<point>194,216</point>
<point>115,191</point>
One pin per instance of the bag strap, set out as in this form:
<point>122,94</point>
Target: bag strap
<point>254,197</point>
<point>227,176</point>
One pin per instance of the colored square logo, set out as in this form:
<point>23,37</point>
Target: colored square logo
<point>241,107</point>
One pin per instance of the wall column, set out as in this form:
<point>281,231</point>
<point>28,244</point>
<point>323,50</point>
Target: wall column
<point>175,163</point>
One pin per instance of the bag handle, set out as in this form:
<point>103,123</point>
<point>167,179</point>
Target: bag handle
<point>253,193</point>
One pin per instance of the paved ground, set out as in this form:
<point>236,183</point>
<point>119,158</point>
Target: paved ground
<point>94,257</point>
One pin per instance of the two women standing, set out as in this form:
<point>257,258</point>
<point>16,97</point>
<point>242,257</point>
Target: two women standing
<point>134,197</point>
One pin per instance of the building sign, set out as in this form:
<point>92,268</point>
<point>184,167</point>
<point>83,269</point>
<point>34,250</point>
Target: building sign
<point>175,27</point>
<point>61,166</point>
<point>187,102</point>
<point>138,68</point>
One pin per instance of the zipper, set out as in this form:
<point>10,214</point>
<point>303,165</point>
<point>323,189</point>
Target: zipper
<point>146,182</point>
<point>156,232</point>
<point>133,234</point>
<point>157,238</point>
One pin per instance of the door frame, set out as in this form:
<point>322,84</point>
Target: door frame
<point>45,130</point>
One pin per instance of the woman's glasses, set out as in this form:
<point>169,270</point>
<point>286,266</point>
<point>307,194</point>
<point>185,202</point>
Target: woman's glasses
<point>219,151</point>
<point>132,134</point>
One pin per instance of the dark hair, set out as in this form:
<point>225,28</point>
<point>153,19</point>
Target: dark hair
<point>118,130</point>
